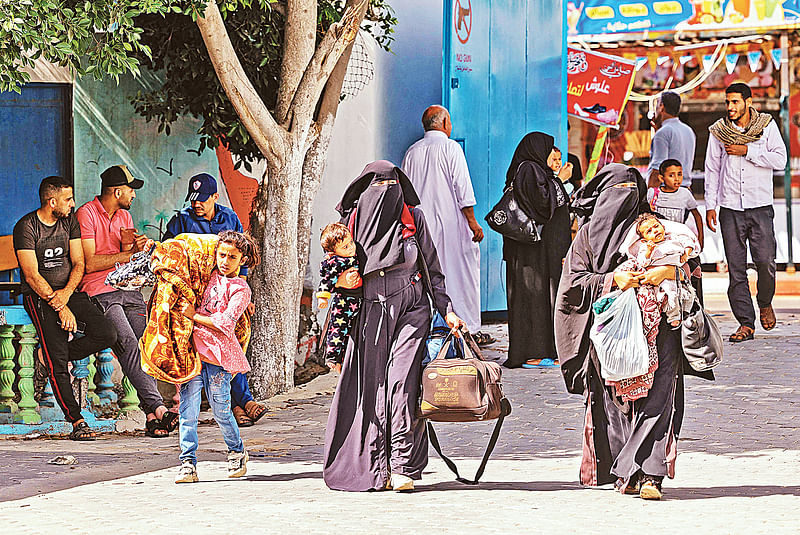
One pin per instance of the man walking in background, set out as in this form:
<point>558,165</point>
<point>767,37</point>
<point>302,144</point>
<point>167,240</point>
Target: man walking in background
<point>438,170</point>
<point>743,150</point>
<point>673,140</point>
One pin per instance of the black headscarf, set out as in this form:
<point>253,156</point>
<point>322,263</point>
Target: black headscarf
<point>535,147</point>
<point>377,228</point>
<point>609,211</point>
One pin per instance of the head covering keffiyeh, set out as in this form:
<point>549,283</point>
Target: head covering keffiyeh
<point>535,147</point>
<point>608,204</point>
<point>379,197</point>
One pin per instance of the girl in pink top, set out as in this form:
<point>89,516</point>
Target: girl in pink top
<point>224,301</point>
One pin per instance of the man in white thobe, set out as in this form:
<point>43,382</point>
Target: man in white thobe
<point>438,170</point>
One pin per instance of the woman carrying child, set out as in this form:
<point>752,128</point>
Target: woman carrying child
<point>225,300</point>
<point>630,440</point>
<point>374,439</point>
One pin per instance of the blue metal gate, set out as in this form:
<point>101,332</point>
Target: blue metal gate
<point>35,142</point>
<point>504,75</point>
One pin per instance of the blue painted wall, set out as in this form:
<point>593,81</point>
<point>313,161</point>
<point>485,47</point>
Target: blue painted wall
<point>410,77</point>
<point>34,143</point>
<point>503,77</point>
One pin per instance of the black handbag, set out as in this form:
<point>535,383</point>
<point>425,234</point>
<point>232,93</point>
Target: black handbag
<point>700,336</point>
<point>510,220</point>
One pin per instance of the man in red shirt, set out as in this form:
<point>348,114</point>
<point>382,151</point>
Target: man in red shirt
<point>103,222</point>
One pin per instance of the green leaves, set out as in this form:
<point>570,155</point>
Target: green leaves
<point>108,38</point>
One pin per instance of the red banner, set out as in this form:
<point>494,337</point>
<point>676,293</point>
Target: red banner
<point>598,86</point>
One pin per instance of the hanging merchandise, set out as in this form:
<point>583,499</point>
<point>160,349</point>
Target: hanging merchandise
<point>708,61</point>
<point>640,61</point>
<point>730,62</point>
<point>777,55</point>
<point>652,59</point>
<point>662,60</point>
<point>753,58</point>
<point>685,59</point>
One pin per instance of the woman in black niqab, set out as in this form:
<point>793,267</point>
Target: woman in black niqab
<point>632,443</point>
<point>533,270</point>
<point>374,439</point>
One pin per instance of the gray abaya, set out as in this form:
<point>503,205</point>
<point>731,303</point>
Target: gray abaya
<point>372,428</point>
<point>620,440</point>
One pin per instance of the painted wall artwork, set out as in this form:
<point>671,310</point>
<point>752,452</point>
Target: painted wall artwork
<point>107,131</point>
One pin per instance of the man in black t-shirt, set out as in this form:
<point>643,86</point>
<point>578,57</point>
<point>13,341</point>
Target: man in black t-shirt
<point>48,247</point>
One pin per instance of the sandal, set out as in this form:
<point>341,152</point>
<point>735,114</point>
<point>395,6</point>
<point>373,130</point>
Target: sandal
<point>170,421</point>
<point>255,410</point>
<point>742,334</point>
<point>767,317</point>
<point>82,432</point>
<point>155,429</point>
<point>242,419</point>
<point>483,339</point>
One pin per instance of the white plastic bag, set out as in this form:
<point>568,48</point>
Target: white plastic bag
<point>618,338</point>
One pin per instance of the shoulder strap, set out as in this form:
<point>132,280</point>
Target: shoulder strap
<point>486,454</point>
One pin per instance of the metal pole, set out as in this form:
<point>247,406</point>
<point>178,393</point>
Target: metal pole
<point>787,174</point>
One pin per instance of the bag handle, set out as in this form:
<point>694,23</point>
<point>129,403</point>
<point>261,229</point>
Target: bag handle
<point>468,346</point>
<point>505,411</point>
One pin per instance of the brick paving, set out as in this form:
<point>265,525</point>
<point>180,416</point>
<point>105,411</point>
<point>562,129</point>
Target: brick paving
<point>738,470</point>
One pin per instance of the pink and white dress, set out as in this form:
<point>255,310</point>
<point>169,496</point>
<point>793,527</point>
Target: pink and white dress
<point>224,301</point>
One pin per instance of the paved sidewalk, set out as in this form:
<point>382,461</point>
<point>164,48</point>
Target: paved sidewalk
<point>738,470</point>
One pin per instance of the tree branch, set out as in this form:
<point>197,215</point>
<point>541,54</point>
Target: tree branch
<point>299,41</point>
<point>339,36</point>
<point>271,139</point>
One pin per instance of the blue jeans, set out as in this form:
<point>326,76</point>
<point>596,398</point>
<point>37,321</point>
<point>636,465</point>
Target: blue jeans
<point>217,383</point>
<point>240,390</point>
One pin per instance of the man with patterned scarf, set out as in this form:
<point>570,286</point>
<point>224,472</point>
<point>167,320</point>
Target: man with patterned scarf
<point>744,149</point>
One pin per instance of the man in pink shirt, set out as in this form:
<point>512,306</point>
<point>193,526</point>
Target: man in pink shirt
<point>103,223</point>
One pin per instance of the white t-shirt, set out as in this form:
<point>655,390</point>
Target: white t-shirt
<point>675,206</point>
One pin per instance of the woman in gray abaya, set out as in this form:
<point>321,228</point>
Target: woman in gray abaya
<point>630,440</point>
<point>373,439</point>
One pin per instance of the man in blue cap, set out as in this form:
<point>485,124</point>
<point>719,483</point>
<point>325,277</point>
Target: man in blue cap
<point>205,216</point>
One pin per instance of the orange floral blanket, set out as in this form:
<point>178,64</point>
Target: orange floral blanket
<point>182,267</point>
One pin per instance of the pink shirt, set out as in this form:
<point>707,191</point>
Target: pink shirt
<point>105,231</point>
<point>224,301</point>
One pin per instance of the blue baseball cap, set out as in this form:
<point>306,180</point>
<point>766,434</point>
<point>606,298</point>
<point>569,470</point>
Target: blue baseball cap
<point>201,187</point>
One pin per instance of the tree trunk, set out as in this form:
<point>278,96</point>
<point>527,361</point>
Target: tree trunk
<point>277,283</point>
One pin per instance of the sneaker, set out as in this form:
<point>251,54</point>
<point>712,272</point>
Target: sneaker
<point>237,463</point>
<point>187,473</point>
<point>401,482</point>
<point>650,488</point>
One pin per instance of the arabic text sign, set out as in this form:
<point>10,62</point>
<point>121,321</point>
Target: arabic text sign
<point>597,86</point>
<point>595,17</point>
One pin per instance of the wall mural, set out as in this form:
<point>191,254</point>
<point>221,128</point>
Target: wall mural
<point>108,131</point>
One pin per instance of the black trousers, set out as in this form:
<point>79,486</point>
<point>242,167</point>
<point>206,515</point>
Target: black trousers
<point>752,227</point>
<point>58,350</point>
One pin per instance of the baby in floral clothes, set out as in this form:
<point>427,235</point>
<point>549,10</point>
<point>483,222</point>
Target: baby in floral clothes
<point>340,257</point>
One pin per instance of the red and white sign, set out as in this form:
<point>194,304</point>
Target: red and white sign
<point>462,19</point>
<point>598,86</point>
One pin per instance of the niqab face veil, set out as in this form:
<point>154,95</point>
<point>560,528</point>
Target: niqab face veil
<point>609,204</point>
<point>378,196</point>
